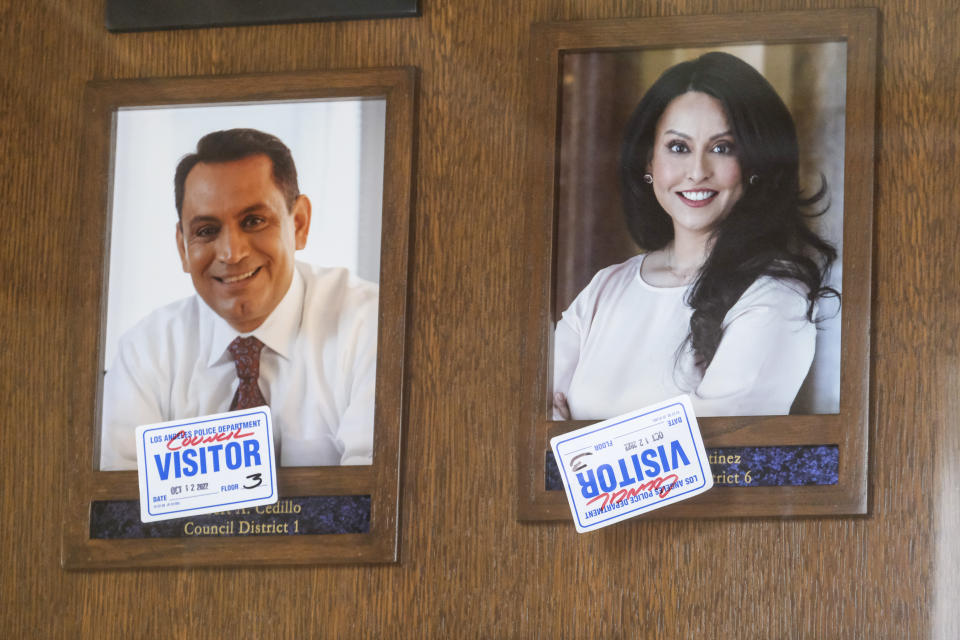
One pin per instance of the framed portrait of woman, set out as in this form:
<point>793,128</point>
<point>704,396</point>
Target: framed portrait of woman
<point>706,183</point>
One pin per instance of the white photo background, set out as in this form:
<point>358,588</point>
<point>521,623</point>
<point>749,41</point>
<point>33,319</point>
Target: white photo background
<point>338,148</point>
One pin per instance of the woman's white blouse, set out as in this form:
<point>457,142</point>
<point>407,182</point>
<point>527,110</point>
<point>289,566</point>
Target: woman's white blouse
<point>621,346</point>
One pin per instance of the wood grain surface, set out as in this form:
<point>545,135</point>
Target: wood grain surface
<point>467,567</point>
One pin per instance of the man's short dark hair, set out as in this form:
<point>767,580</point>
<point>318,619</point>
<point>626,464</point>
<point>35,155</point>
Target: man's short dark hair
<point>236,144</point>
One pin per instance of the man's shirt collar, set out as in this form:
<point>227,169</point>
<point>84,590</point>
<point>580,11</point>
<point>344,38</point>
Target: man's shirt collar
<point>278,332</point>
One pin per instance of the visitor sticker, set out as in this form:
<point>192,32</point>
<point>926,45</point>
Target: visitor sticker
<point>204,465</point>
<point>632,464</point>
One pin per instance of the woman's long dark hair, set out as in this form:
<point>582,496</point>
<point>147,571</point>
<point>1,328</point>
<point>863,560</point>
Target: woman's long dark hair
<point>765,233</point>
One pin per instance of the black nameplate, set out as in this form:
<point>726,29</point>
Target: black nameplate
<point>146,15</point>
<point>119,519</point>
<point>784,466</point>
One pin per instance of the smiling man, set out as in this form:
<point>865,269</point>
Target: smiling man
<point>262,328</point>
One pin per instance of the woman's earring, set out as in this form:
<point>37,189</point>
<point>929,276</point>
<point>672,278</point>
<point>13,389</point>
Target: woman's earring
<point>648,178</point>
<point>754,179</point>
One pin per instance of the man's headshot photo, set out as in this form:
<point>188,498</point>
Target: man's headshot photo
<point>250,322</point>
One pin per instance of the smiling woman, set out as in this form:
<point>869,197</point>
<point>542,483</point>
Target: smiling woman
<point>696,178</point>
<point>722,303</point>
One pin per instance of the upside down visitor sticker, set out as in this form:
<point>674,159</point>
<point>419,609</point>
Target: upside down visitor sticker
<point>632,464</point>
<point>202,465</point>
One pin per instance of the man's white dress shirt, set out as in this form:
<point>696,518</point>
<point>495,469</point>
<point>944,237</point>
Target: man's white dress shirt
<point>317,371</point>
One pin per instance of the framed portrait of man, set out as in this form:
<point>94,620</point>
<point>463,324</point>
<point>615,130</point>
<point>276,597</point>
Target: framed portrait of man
<point>253,251</point>
<point>709,206</point>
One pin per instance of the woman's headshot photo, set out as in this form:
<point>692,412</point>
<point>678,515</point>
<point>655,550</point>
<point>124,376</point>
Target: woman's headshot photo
<point>699,231</point>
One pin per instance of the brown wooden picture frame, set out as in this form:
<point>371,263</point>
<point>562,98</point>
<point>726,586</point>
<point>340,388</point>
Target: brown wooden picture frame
<point>85,485</point>
<point>848,429</point>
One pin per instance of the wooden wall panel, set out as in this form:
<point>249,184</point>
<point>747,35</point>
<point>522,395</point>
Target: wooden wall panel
<point>468,568</point>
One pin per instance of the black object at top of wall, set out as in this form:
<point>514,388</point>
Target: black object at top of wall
<point>147,15</point>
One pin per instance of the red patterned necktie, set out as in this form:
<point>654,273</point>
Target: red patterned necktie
<point>246,355</point>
